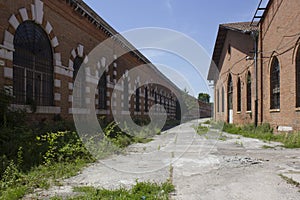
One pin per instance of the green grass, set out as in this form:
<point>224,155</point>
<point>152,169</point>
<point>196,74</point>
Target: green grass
<point>17,183</point>
<point>201,130</point>
<point>289,180</point>
<point>264,132</point>
<point>141,190</point>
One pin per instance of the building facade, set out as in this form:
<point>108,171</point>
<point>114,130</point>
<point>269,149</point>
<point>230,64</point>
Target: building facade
<point>43,45</point>
<point>263,81</point>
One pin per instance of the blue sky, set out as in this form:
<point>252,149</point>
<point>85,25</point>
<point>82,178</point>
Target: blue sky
<point>197,19</point>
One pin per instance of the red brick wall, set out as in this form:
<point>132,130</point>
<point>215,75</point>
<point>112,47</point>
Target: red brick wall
<point>71,30</point>
<point>279,35</point>
<point>236,64</point>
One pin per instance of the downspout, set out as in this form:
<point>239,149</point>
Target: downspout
<point>254,35</point>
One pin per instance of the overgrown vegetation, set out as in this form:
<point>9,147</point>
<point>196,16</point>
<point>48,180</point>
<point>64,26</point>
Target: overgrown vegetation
<point>38,154</point>
<point>289,180</point>
<point>265,133</point>
<point>201,130</point>
<point>141,190</point>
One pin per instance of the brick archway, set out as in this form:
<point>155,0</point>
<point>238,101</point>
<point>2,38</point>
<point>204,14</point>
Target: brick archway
<point>35,14</point>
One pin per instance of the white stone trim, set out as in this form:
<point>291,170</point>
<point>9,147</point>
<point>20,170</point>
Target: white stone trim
<point>80,50</point>
<point>57,96</point>
<point>8,72</point>
<point>70,98</point>
<point>39,13</point>
<point>48,109</point>
<point>125,112</point>
<point>57,83</point>
<point>79,111</point>
<point>57,59</point>
<point>107,103</point>
<point>23,13</point>
<point>13,21</point>
<point>33,11</point>
<point>8,40</point>
<point>109,85</point>
<point>48,28</point>
<point>70,86</point>
<point>63,71</point>
<point>54,42</point>
<point>87,89</point>
<point>107,94</point>
<point>92,79</point>
<point>87,100</point>
<point>71,65</point>
<point>73,53</point>
<point>6,54</point>
<point>101,112</point>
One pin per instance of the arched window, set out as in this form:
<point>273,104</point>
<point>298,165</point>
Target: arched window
<point>79,93</point>
<point>146,99</point>
<point>298,78</point>
<point>218,101</point>
<point>222,99</point>
<point>275,84</point>
<point>239,95</point>
<point>137,99</point>
<point>249,98</point>
<point>230,92</point>
<point>102,91</point>
<point>126,102</point>
<point>32,65</point>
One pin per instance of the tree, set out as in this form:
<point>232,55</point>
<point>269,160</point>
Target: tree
<point>204,97</point>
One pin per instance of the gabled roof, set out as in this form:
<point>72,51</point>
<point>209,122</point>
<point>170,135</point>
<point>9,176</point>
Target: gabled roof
<point>242,27</point>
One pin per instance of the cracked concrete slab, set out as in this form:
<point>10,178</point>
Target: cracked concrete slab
<point>203,167</point>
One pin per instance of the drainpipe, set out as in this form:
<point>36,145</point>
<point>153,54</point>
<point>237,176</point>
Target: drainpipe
<point>254,35</point>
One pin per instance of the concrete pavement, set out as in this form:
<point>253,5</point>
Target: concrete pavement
<point>200,167</point>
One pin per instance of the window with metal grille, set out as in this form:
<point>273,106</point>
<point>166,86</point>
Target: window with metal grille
<point>298,78</point>
<point>32,66</point>
<point>218,101</point>
<point>126,101</point>
<point>102,92</point>
<point>146,99</point>
<point>249,99</point>
<point>275,84</point>
<point>222,99</point>
<point>239,95</point>
<point>230,92</point>
<point>79,83</point>
<point>137,99</point>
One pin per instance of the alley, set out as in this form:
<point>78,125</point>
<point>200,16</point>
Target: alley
<point>212,166</point>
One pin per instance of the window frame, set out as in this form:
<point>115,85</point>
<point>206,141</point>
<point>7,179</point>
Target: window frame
<point>275,84</point>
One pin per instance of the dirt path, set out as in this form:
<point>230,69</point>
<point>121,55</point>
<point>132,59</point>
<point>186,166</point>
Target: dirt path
<point>201,167</point>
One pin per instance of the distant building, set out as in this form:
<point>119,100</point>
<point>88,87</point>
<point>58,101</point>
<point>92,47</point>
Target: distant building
<point>266,88</point>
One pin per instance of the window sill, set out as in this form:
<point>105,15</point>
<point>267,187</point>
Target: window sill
<point>39,109</point>
<point>238,112</point>
<point>274,110</point>
<point>297,109</point>
<point>249,111</point>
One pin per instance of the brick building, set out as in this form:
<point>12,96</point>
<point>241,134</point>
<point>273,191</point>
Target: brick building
<point>259,67</point>
<point>43,44</point>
